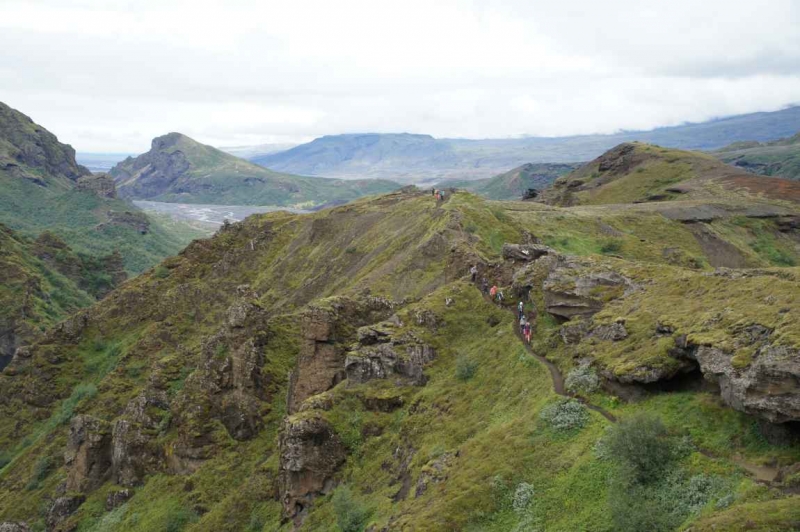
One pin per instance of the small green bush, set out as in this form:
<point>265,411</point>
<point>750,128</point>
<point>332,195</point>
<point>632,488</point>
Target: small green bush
<point>161,272</point>
<point>465,368</point>
<point>611,247</point>
<point>177,520</point>
<point>351,516</point>
<point>565,415</point>
<point>641,446</point>
<point>40,472</point>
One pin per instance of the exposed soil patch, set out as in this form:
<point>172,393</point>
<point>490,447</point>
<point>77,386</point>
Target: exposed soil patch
<point>770,187</point>
<point>720,254</point>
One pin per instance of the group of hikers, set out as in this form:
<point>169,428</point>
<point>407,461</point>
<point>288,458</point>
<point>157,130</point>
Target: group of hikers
<point>438,194</point>
<point>496,295</point>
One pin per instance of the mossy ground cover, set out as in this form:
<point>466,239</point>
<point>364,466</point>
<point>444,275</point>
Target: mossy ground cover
<point>476,430</point>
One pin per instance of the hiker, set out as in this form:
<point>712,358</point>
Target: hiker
<point>500,297</point>
<point>522,322</point>
<point>493,291</point>
<point>474,273</point>
<point>484,286</point>
<point>441,195</point>
<point>520,309</point>
<point>526,332</point>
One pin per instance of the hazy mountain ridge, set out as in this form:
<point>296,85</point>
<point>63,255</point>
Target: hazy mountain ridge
<point>515,183</point>
<point>422,158</point>
<point>179,169</point>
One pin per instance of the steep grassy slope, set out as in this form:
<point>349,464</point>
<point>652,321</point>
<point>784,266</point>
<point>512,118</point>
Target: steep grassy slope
<point>180,169</point>
<point>635,172</point>
<point>336,371</point>
<point>779,158</point>
<point>515,183</point>
<point>39,288</point>
<point>418,158</point>
<point>43,190</point>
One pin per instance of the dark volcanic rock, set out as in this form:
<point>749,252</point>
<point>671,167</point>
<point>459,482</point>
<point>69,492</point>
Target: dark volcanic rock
<point>525,252</point>
<point>101,185</point>
<point>769,387</point>
<point>154,172</point>
<point>10,526</point>
<point>117,498</point>
<point>88,454</point>
<point>311,452</point>
<point>62,508</point>
<point>26,144</point>
<point>574,289</point>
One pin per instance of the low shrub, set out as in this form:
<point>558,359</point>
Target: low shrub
<point>465,368</point>
<point>351,516</point>
<point>565,415</point>
<point>641,446</point>
<point>582,379</point>
<point>40,472</point>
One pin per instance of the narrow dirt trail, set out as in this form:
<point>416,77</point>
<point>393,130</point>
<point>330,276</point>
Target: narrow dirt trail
<point>555,374</point>
<point>760,473</point>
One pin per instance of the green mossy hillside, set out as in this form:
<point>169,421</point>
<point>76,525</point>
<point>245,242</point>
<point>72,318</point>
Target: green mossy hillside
<point>636,173</point>
<point>481,443</point>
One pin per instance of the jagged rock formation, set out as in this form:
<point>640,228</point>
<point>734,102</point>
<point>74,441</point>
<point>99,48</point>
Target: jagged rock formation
<point>382,357</point>
<point>575,288</point>
<point>326,331</point>
<point>88,454</point>
<point>102,185</point>
<point>25,146</point>
<point>310,453</point>
<point>766,388</point>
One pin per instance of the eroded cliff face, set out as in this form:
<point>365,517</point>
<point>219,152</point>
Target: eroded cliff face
<point>341,342</point>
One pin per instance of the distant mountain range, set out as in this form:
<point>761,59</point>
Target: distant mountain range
<point>247,152</point>
<point>424,159</point>
<point>180,169</point>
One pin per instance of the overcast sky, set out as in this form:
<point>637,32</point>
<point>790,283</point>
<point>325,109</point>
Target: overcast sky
<point>108,75</point>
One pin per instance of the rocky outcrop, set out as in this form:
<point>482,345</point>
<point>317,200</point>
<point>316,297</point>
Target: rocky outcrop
<point>434,472</point>
<point>385,356</point>
<point>135,451</point>
<point>26,145</point>
<point>14,526</point>
<point>769,387</point>
<point>229,387</point>
<point>576,289</point>
<point>135,220</point>
<point>525,252</point>
<point>101,185</point>
<point>88,454</point>
<point>117,498</point>
<point>62,508</point>
<point>154,172</point>
<point>326,333</point>
<point>311,452</point>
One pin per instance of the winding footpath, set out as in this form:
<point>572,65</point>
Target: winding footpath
<point>760,473</point>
